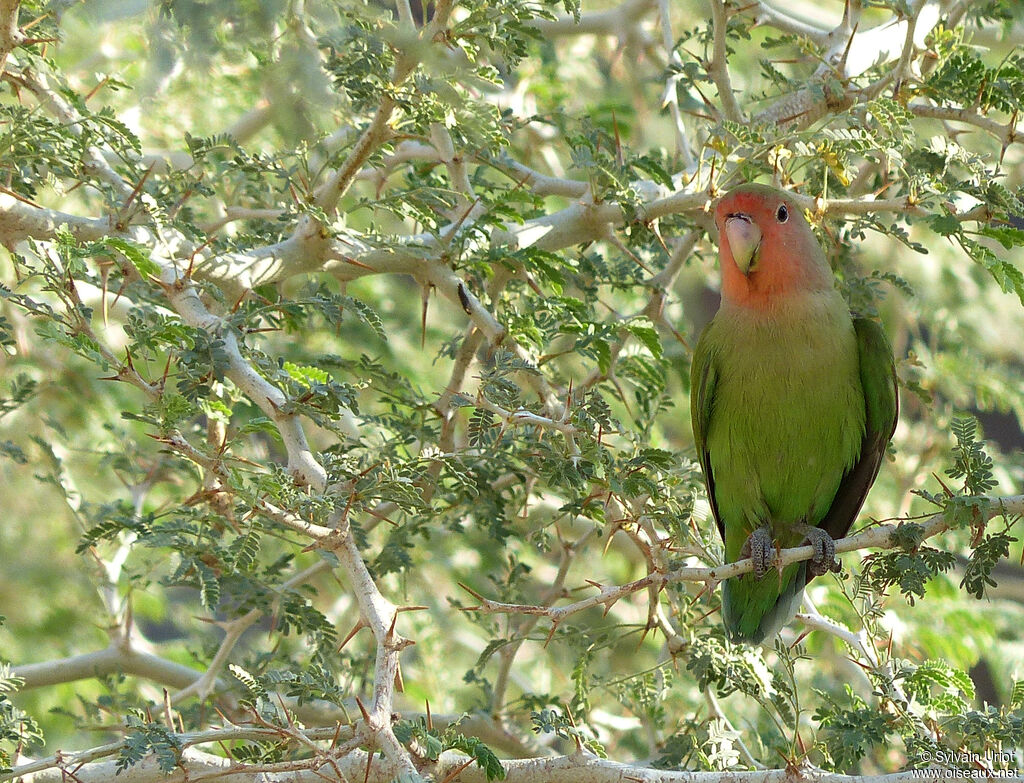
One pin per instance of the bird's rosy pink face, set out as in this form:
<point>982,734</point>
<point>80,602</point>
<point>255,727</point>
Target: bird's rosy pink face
<point>766,246</point>
<point>749,219</point>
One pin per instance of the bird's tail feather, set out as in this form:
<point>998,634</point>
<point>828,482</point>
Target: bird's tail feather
<point>755,610</point>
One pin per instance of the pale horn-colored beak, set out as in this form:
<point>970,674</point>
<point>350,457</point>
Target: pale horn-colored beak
<point>744,240</point>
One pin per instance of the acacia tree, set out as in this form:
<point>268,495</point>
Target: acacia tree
<point>343,424</point>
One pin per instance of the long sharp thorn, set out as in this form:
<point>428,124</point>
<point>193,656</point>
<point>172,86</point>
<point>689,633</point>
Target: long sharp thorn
<point>455,772</point>
<point>551,633</point>
<point>138,187</point>
<point>284,710</point>
<point>849,44</point>
<point>167,369</point>
<point>391,631</point>
<point>369,762</point>
<point>104,274</point>
<point>472,592</point>
<point>355,629</point>
<point>618,140</point>
<point>337,735</point>
<point>706,614</point>
<point>362,709</point>
<point>120,290</point>
<point>423,316</point>
<point>608,606</point>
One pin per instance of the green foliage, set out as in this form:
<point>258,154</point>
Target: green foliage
<point>910,570</point>
<point>990,550</point>
<point>971,463</point>
<point>17,729</point>
<point>561,724</point>
<point>851,729</point>
<point>22,389</point>
<point>962,77</point>
<point>435,743</point>
<point>710,745</point>
<point>449,238</point>
<point>144,737</point>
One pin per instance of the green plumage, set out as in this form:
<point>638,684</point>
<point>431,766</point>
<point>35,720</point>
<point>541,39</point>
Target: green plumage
<point>792,409</point>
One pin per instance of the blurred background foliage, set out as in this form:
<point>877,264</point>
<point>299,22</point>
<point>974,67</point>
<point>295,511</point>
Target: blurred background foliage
<point>248,105</point>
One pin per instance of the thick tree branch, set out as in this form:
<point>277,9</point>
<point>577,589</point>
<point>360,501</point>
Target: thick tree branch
<point>302,465</point>
<point>849,56</point>
<point>585,768</point>
<point>116,659</point>
<point>11,36</point>
<point>1007,133</point>
<point>614,21</point>
<point>196,765</point>
<point>880,537</point>
<point>766,13</point>
<point>381,616</point>
<point>718,68</point>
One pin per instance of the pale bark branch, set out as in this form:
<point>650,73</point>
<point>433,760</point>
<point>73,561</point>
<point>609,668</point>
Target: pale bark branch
<point>766,13</point>
<point>1007,133</point>
<point>302,465</point>
<point>11,36</point>
<point>670,96</point>
<point>381,616</point>
<point>718,68</point>
<point>196,765</point>
<point>849,56</point>
<point>115,659</point>
<point>94,163</point>
<point>614,21</point>
<point>540,183</point>
<point>586,768</point>
<point>880,537</point>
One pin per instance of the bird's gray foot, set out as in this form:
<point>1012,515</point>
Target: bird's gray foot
<point>760,548</point>
<point>824,559</point>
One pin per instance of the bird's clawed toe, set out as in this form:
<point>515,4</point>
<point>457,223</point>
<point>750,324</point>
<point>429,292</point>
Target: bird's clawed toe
<point>824,559</point>
<point>760,548</point>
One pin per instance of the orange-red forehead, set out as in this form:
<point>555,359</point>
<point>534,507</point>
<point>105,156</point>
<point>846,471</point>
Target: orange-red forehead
<point>749,202</point>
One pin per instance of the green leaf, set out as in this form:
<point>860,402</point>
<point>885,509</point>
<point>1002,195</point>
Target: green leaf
<point>137,255</point>
<point>644,331</point>
<point>992,548</point>
<point>306,375</point>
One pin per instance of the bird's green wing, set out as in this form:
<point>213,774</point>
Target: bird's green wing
<point>703,376</point>
<point>881,406</point>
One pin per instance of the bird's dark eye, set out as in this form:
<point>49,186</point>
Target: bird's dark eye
<point>782,214</point>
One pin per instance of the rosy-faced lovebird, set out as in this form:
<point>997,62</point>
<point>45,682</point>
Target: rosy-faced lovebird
<point>793,402</point>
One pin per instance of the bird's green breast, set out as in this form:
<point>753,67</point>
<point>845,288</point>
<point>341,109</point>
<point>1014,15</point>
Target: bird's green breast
<point>788,417</point>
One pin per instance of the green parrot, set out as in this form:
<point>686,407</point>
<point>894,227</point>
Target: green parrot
<point>793,402</point>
